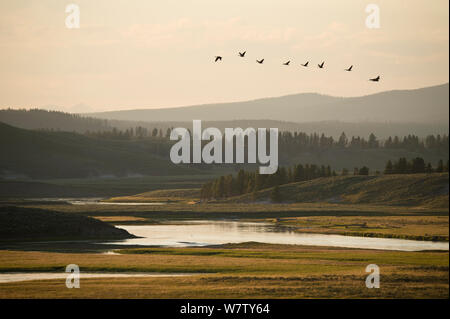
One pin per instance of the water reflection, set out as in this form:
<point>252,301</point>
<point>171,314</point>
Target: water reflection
<point>16,277</point>
<point>93,201</point>
<point>202,233</point>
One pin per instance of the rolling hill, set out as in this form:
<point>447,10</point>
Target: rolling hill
<point>45,155</point>
<point>429,190</point>
<point>38,154</point>
<point>424,105</point>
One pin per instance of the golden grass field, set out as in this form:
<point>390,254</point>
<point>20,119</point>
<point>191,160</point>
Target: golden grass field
<point>402,227</point>
<point>247,270</point>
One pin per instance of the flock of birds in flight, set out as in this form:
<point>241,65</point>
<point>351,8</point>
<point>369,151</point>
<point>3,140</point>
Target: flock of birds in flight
<point>321,65</point>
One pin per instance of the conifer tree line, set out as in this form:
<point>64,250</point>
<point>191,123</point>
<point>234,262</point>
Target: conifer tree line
<point>138,132</point>
<point>61,121</point>
<point>289,144</point>
<point>293,142</point>
<point>288,140</point>
<point>247,182</point>
<point>415,166</point>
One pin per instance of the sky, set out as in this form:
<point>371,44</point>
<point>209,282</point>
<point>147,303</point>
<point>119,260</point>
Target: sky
<point>130,54</point>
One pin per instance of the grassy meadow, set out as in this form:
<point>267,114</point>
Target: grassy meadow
<point>248,270</point>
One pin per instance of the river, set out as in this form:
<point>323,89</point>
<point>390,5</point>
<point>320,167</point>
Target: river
<point>203,233</point>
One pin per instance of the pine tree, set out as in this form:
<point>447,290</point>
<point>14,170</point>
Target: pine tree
<point>219,190</point>
<point>241,182</point>
<point>440,167</point>
<point>282,176</point>
<point>418,165</point>
<point>389,168</point>
<point>373,143</point>
<point>275,196</point>
<point>343,140</point>
<point>363,171</point>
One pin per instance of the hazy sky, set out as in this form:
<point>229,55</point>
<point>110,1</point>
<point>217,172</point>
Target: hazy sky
<point>159,53</point>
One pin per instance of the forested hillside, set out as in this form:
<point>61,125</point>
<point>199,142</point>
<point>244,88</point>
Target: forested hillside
<point>37,154</point>
<point>430,190</point>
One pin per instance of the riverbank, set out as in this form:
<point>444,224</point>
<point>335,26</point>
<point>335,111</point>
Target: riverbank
<point>414,223</point>
<point>426,228</point>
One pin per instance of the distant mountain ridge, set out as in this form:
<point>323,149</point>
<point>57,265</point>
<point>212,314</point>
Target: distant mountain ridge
<point>424,105</point>
<point>52,120</point>
<point>421,112</point>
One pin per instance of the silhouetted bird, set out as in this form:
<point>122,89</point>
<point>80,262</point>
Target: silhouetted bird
<point>375,79</point>
<point>218,58</point>
<point>306,64</point>
<point>242,54</point>
<point>260,61</point>
<point>321,65</point>
<point>349,69</point>
<point>287,63</point>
